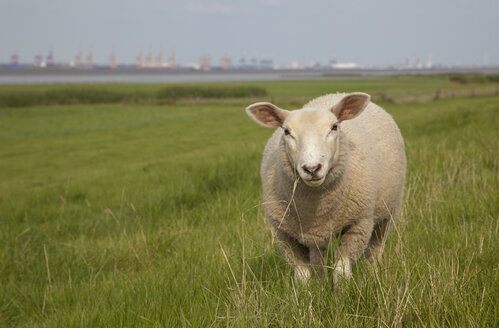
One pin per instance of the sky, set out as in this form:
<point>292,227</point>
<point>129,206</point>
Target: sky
<point>369,32</point>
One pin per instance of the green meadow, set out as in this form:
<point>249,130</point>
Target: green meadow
<point>148,213</point>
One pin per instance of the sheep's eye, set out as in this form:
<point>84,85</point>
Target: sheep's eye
<point>286,132</point>
<point>334,127</point>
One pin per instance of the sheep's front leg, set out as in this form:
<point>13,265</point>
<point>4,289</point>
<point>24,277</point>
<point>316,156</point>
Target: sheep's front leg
<point>353,243</point>
<point>296,254</point>
<point>317,258</point>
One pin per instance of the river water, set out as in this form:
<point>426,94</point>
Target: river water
<point>74,76</point>
<point>60,75</point>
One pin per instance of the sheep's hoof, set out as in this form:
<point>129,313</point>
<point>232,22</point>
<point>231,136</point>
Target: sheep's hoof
<point>341,272</point>
<point>340,277</point>
<point>302,274</point>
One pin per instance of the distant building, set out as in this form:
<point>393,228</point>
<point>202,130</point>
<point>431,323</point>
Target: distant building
<point>194,66</point>
<point>266,63</point>
<point>50,59</point>
<point>38,61</point>
<point>225,62</point>
<point>112,60</point>
<point>253,63</point>
<point>89,59</point>
<point>429,63</point>
<point>315,65</point>
<point>407,63</point>
<point>242,63</point>
<point>148,60</point>
<point>172,60</point>
<point>333,61</point>
<point>418,65</point>
<point>159,59</point>
<point>14,59</point>
<point>139,63</point>
<point>78,61</point>
<point>205,62</point>
<point>348,65</point>
<point>295,65</point>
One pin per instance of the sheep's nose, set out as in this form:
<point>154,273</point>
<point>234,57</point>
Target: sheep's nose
<point>312,170</point>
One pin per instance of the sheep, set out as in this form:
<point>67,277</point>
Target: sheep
<point>333,169</point>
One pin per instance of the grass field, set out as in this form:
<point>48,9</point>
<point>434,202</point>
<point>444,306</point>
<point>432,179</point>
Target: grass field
<point>140,215</point>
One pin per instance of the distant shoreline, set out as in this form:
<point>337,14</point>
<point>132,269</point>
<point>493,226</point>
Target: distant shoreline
<point>54,75</point>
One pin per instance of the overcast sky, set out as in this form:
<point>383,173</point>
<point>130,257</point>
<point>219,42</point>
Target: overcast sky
<point>369,32</point>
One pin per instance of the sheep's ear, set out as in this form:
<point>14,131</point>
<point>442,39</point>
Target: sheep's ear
<point>351,106</point>
<point>267,114</point>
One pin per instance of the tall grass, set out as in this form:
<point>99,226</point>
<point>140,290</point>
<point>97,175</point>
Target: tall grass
<point>474,78</point>
<point>95,95</point>
<point>175,92</point>
<point>142,215</point>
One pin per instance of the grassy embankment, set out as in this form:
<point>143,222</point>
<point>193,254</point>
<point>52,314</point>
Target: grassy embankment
<point>147,215</point>
<point>396,89</point>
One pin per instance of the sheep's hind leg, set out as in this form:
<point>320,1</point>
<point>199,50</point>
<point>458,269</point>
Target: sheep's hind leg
<point>376,244</point>
<point>296,254</point>
<point>353,243</point>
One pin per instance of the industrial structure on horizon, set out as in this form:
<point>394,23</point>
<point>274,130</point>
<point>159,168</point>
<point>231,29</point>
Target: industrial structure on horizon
<point>204,63</point>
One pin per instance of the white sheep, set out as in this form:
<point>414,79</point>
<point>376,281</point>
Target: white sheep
<point>334,168</point>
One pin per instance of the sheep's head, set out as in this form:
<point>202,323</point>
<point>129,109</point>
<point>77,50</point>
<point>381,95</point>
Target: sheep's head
<point>311,136</point>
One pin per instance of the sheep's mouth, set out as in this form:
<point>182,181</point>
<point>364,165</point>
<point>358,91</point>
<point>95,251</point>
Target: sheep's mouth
<point>313,181</point>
